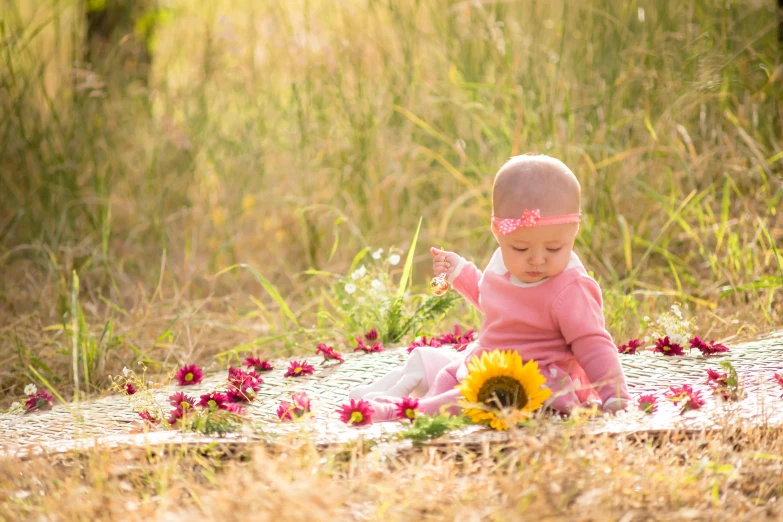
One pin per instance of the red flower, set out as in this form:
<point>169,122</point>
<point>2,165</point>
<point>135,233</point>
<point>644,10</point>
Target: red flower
<point>709,348</point>
<point>458,339</point>
<point>424,342</point>
<point>631,347</point>
<point>666,347</point>
<point>719,382</point>
<point>257,364</point>
<point>147,416</point>
<point>328,353</point>
<point>297,369</point>
<point>357,413</point>
<point>129,388</point>
<point>290,411</point>
<point>190,374</point>
<point>778,378</point>
<point>717,378</point>
<point>371,335</point>
<point>406,409</point>
<point>377,347</point>
<point>647,403</point>
<point>40,400</point>
<point>214,401</point>
<point>691,400</point>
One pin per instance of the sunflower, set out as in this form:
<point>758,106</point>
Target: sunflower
<point>498,380</point>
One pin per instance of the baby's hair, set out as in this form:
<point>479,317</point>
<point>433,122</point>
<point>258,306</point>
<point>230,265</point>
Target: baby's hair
<point>535,182</point>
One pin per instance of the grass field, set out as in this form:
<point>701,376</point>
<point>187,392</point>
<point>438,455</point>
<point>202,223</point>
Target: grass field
<point>290,136</point>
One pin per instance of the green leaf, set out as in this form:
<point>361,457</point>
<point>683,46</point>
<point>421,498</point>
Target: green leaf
<point>406,271</point>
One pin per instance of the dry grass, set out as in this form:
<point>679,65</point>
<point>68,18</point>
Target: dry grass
<point>269,134</point>
<point>544,474</point>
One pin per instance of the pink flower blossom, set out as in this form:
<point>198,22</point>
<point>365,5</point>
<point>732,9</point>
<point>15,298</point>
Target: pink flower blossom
<point>778,378</point>
<point>690,399</point>
<point>214,401</point>
<point>299,406</point>
<point>41,400</point>
<point>406,409</point>
<point>129,388</point>
<point>328,353</point>
<point>631,347</point>
<point>708,348</point>
<point>234,408</point>
<point>183,405</point>
<point>299,368</point>
<point>458,339</point>
<point>666,347</point>
<point>435,343</point>
<point>377,347</point>
<point>356,413</point>
<point>647,403</point>
<point>189,374</point>
<point>247,383</point>
<point>147,416</point>
<point>371,335</point>
<point>257,364</point>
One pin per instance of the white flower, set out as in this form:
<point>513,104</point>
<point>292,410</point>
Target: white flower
<point>15,407</point>
<point>646,318</point>
<point>350,288</point>
<point>377,253</point>
<point>361,300</point>
<point>359,273</point>
<point>394,259</point>
<point>30,389</point>
<point>377,286</point>
<point>125,371</point>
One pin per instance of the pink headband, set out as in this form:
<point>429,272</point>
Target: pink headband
<point>532,218</point>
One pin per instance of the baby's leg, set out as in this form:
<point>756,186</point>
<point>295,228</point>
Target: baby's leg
<point>418,374</point>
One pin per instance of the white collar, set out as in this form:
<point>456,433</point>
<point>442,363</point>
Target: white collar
<point>497,266</point>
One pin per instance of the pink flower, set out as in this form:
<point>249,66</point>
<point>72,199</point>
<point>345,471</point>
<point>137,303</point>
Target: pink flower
<point>371,335</point>
<point>708,348</point>
<point>299,368</point>
<point>234,408</point>
<point>214,401</point>
<point>717,378</point>
<point>458,339</point>
<point>424,342</point>
<point>691,400</point>
<point>406,409</point>
<point>328,353</point>
<point>377,347</point>
<point>190,374</point>
<point>245,382</point>
<point>298,408</point>
<point>257,364</point>
<point>183,404</point>
<point>631,347</point>
<point>357,413</point>
<point>235,396</point>
<point>778,378</point>
<point>666,347</point>
<point>40,400</point>
<point>719,382</point>
<point>129,388</point>
<point>647,403</point>
<point>147,416</point>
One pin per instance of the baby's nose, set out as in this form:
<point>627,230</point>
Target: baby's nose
<point>537,260</point>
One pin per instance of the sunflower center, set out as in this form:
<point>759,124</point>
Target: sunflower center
<point>188,376</point>
<point>356,417</point>
<point>503,392</point>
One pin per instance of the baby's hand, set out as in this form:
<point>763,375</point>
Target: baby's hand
<point>443,261</point>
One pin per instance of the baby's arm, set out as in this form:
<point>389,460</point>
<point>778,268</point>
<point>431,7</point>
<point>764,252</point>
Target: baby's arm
<point>461,274</point>
<point>579,315</point>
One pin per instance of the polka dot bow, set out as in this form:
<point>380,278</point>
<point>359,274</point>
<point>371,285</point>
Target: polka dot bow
<point>532,218</point>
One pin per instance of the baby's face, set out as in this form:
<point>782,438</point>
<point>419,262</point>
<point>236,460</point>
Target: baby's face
<point>535,253</point>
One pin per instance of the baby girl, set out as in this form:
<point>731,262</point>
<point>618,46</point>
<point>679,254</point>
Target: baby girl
<point>536,297</point>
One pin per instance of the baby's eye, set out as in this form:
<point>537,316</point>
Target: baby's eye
<point>555,249</point>
<point>520,249</point>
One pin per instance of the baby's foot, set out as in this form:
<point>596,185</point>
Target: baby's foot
<point>407,384</point>
<point>384,410</point>
<point>615,404</point>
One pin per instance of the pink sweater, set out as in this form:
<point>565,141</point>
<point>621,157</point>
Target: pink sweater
<point>554,320</point>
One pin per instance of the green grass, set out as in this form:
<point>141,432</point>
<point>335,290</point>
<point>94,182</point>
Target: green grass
<point>288,136</point>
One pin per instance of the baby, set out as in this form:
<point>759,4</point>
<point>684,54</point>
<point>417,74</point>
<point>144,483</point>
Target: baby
<point>536,297</point>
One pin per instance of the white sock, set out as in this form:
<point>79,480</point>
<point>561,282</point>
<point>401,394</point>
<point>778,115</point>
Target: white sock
<point>404,387</point>
<point>382,384</point>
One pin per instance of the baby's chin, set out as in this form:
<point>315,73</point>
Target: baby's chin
<point>530,278</point>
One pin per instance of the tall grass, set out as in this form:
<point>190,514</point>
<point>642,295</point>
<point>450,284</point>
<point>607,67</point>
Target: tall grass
<point>267,131</point>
